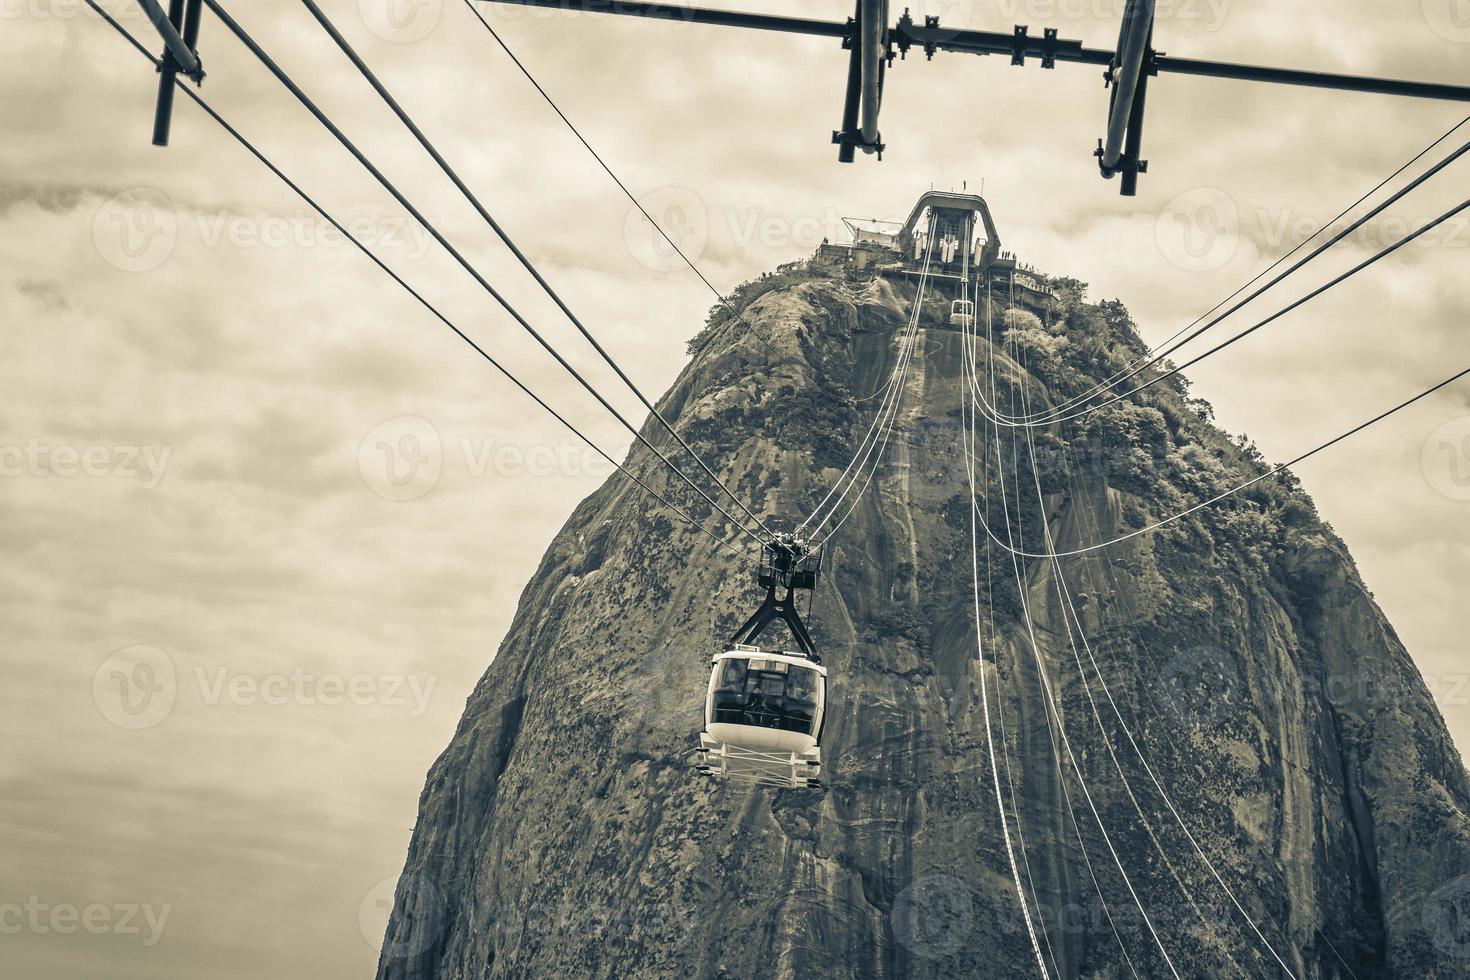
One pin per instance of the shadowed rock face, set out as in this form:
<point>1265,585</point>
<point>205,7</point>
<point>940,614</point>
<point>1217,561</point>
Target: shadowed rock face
<point>563,834</point>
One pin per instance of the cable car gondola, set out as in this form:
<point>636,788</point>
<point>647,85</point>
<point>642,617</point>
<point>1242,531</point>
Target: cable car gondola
<point>764,709</point>
<point>962,313</point>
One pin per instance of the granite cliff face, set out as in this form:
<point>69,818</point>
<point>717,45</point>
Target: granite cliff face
<point>562,833</point>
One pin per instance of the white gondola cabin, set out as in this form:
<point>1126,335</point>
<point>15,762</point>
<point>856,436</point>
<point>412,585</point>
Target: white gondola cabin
<point>962,313</point>
<point>763,718</point>
<point>764,708</point>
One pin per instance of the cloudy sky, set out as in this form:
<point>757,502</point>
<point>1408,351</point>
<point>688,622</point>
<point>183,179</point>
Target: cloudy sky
<point>238,626</point>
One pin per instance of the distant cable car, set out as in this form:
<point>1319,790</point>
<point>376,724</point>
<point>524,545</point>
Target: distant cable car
<point>764,709</point>
<point>962,313</point>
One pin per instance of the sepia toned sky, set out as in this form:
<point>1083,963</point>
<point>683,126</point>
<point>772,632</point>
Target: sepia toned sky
<point>263,521</point>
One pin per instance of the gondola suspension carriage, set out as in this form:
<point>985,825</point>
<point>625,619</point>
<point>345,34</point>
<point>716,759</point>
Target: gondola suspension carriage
<point>764,709</point>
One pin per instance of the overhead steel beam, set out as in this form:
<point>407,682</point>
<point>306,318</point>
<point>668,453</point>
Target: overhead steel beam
<point>1314,79</point>
<point>695,15</point>
<point>1020,45</point>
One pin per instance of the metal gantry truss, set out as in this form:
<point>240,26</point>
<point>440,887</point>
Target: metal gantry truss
<point>873,45</point>
<point>1127,68</point>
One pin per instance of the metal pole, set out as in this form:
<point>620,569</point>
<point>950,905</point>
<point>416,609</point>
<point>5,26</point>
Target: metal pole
<point>1138,22</point>
<point>188,12</point>
<point>168,29</point>
<point>873,18</point>
<point>1133,147</point>
<point>163,113</point>
<point>193,12</point>
<point>845,149</point>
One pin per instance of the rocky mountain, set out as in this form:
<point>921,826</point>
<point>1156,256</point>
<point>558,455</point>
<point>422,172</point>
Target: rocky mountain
<point>563,834</point>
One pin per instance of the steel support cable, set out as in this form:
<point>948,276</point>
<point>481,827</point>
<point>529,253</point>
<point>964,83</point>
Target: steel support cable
<point>1244,486</point>
<point>357,243</point>
<point>418,134</point>
<point>1064,598</point>
<point>306,101</point>
<point>1053,716</point>
<point>1335,281</point>
<point>985,708</point>
<point>887,391</point>
<point>967,444</point>
<point>1142,757</point>
<point>1056,751</point>
<point>1049,696</point>
<point>906,356</point>
<point>1106,562</point>
<point>1159,353</point>
<point>1054,722</point>
<point>1011,780</point>
<point>969,416</point>
<point>1070,617</point>
<point>969,440</point>
<point>719,297</point>
<point>1058,416</point>
<point>876,448</point>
